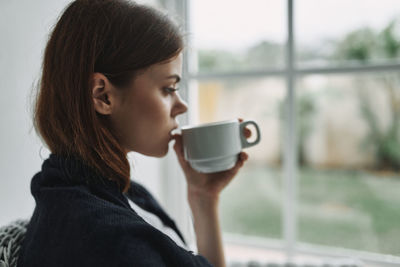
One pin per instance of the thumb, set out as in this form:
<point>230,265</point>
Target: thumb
<point>178,147</point>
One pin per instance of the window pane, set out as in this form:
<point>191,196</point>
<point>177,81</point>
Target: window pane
<point>333,32</point>
<point>251,204</point>
<point>236,35</point>
<point>349,156</point>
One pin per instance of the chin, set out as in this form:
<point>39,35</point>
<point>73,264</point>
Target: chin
<point>163,153</point>
<point>157,154</point>
<point>158,150</point>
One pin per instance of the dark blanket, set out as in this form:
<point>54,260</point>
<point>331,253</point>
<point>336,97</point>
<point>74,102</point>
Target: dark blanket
<point>82,219</point>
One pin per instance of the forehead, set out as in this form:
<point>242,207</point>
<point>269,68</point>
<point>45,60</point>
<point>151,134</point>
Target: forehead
<point>167,68</point>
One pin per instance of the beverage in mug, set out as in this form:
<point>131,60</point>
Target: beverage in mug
<point>215,147</point>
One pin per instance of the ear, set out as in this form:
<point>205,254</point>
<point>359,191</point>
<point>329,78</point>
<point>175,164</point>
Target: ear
<point>102,94</point>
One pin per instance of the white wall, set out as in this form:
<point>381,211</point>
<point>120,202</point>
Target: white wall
<point>24,26</point>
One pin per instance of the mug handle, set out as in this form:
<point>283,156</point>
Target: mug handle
<point>243,139</point>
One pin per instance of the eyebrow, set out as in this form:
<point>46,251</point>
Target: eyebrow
<point>175,76</point>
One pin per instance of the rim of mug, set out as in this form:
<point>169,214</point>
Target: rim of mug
<point>188,127</point>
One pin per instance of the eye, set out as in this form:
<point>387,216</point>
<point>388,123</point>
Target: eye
<point>170,90</point>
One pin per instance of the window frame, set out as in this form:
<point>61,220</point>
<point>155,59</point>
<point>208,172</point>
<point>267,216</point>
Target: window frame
<point>290,73</point>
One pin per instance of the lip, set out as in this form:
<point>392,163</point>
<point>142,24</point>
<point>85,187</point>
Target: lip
<point>173,129</point>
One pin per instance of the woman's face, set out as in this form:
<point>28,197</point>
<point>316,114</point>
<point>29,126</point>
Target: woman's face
<point>145,113</point>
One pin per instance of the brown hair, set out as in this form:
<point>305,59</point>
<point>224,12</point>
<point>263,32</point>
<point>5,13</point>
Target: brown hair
<point>115,37</point>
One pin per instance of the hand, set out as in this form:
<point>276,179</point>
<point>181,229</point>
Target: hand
<point>207,185</point>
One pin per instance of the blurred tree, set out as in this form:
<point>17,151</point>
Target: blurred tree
<point>359,45</point>
<point>219,60</point>
<point>389,40</point>
<point>262,55</point>
<point>305,111</point>
<point>265,54</point>
<point>363,45</point>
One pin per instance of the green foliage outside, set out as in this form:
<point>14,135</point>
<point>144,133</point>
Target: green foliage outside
<point>338,208</point>
<point>262,55</point>
<point>365,45</point>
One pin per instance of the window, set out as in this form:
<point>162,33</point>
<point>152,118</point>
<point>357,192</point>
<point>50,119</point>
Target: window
<point>322,80</point>
<point>348,144</point>
<point>258,209</point>
<point>229,36</point>
<point>332,32</point>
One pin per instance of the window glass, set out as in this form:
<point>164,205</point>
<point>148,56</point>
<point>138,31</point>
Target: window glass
<point>236,35</point>
<point>337,32</point>
<point>251,204</point>
<point>349,161</point>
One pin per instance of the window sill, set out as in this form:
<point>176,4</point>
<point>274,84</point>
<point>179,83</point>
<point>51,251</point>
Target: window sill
<point>254,251</point>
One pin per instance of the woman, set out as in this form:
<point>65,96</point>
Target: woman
<point>109,86</point>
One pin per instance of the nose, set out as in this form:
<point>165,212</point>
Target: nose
<point>180,106</point>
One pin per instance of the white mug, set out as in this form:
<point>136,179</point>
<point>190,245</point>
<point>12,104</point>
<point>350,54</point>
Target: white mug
<point>215,147</point>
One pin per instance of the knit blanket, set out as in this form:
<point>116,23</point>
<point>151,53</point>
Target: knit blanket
<point>11,238</point>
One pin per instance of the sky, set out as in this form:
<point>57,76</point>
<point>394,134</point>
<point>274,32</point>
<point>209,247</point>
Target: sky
<point>236,24</point>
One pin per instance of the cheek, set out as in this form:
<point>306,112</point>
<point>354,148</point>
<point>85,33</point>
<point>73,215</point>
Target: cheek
<point>158,110</point>
<point>152,119</point>
<point>142,119</point>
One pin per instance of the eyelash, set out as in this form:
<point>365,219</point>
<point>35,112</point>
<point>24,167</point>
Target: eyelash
<point>170,90</point>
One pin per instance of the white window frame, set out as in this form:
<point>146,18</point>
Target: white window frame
<point>290,73</point>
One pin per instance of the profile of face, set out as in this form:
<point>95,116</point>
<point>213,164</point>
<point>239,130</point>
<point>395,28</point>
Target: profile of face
<point>144,114</point>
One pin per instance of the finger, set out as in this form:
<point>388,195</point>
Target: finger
<point>243,156</point>
<point>236,168</point>
<point>247,132</point>
<point>178,147</point>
